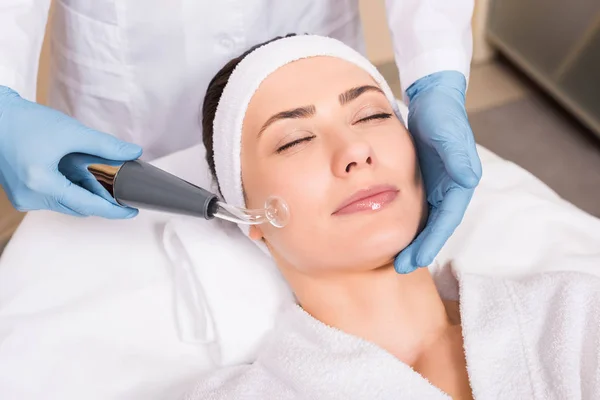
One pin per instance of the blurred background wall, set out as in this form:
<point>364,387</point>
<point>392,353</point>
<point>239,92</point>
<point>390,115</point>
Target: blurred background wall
<point>538,119</point>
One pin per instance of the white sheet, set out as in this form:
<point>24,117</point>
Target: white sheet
<point>516,225</point>
<point>87,306</point>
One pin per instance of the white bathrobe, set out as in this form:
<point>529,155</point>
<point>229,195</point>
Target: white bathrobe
<point>529,338</point>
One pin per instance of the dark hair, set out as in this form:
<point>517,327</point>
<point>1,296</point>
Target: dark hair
<point>211,101</point>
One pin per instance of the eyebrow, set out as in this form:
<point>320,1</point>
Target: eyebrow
<point>352,94</point>
<point>310,110</point>
<point>300,112</point>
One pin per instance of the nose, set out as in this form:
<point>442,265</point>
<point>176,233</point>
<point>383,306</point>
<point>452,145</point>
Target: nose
<point>352,156</point>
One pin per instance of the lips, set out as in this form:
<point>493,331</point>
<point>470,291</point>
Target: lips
<point>372,199</point>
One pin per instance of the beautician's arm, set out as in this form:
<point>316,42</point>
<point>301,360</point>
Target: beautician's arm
<point>433,48</point>
<point>34,138</point>
<point>430,36</point>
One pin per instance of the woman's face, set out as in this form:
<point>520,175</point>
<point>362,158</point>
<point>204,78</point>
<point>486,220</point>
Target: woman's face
<point>319,133</point>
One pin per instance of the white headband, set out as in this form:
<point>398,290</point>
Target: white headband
<point>243,83</point>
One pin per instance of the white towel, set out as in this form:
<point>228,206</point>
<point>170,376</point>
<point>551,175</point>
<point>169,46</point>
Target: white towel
<point>532,338</point>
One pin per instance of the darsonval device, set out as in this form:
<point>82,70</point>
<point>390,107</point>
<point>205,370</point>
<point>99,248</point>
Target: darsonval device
<point>139,184</point>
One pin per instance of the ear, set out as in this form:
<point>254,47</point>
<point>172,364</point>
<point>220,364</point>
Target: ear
<point>255,232</point>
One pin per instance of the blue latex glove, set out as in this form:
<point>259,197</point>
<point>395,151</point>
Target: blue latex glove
<point>34,139</point>
<point>448,158</point>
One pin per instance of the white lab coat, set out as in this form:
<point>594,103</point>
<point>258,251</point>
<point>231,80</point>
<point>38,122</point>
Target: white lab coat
<point>138,69</point>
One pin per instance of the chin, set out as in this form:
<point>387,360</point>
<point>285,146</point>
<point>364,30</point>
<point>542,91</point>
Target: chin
<point>386,253</point>
<point>378,249</point>
<point>362,242</point>
<point>390,232</point>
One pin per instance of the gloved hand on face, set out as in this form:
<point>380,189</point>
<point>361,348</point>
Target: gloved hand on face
<point>449,161</point>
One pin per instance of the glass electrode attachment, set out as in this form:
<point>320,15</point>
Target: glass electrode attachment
<point>275,212</point>
<point>138,184</point>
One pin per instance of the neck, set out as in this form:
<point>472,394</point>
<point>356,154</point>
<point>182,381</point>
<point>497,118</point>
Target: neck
<point>403,314</point>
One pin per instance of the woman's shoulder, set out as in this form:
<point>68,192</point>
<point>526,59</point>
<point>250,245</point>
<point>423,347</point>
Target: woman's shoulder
<point>558,314</point>
<point>559,302</point>
<point>548,307</point>
<point>542,327</point>
<point>559,288</point>
<point>543,305</point>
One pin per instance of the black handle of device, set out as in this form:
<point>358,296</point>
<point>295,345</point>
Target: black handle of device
<point>141,185</point>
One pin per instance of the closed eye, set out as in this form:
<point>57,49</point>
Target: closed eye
<point>287,146</point>
<point>374,117</point>
<point>294,143</point>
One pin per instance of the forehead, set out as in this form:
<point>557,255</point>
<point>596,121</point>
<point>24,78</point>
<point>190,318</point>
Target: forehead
<point>304,82</point>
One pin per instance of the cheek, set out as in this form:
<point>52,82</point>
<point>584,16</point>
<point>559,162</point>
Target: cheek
<point>297,182</point>
<point>303,186</point>
<point>396,152</point>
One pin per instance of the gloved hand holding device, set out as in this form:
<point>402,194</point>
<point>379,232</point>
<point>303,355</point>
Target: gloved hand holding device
<point>34,139</point>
